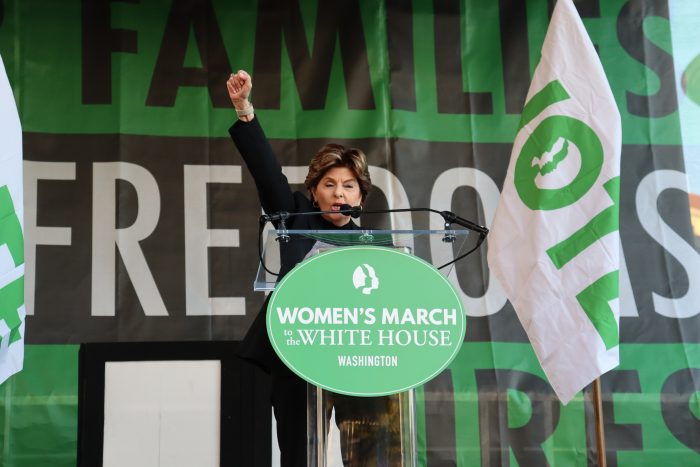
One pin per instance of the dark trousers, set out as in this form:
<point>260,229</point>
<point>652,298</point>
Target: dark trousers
<point>288,396</point>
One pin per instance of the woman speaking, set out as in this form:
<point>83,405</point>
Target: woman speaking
<point>337,176</point>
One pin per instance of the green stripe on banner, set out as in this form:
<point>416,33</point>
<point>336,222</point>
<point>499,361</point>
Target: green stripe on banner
<point>503,408</point>
<point>39,409</point>
<point>140,83</point>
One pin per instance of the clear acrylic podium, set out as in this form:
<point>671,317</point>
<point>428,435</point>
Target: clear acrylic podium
<point>349,431</point>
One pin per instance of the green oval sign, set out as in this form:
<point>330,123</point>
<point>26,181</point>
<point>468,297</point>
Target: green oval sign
<point>366,321</point>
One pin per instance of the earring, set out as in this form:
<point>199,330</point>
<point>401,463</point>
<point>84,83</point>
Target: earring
<point>314,203</point>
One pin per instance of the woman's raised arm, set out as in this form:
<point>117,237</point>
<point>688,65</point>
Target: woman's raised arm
<point>273,188</point>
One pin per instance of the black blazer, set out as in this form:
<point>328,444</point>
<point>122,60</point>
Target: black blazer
<point>275,195</point>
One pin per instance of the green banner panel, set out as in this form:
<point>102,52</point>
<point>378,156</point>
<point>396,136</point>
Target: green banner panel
<point>125,115</point>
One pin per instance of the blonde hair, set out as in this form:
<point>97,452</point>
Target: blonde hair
<point>336,155</point>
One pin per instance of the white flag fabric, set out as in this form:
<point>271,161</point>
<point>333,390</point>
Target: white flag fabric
<point>554,243</point>
<point>12,310</point>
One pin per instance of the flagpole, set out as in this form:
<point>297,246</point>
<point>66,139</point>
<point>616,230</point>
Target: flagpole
<point>599,431</point>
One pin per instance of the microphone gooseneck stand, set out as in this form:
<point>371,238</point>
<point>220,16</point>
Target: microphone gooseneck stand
<point>355,212</point>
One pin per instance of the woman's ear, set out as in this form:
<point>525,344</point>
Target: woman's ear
<point>313,196</point>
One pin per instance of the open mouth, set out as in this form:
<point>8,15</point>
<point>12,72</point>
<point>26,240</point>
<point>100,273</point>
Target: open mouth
<point>336,207</point>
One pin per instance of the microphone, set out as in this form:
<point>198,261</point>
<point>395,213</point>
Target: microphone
<point>455,219</point>
<point>277,216</point>
<point>352,211</point>
<point>345,209</point>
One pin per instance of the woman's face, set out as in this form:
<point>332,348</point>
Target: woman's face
<point>338,186</point>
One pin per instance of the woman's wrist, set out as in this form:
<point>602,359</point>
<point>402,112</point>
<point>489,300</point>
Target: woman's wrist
<point>241,104</point>
<point>244,110</point>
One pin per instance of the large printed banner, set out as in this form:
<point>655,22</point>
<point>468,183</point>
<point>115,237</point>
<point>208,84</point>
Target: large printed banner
<point>141,220</point>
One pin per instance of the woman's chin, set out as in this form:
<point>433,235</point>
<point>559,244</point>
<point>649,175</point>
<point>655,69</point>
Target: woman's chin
<point>338,220</point>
